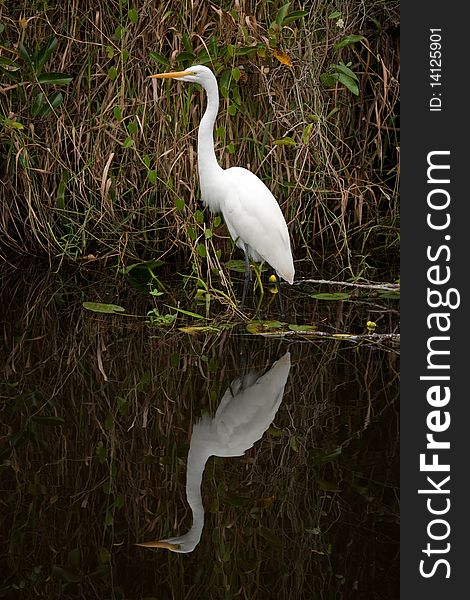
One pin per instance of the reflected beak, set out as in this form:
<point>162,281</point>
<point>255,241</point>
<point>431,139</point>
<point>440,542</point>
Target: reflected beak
<point>171,75</point>
<point>159,544</point>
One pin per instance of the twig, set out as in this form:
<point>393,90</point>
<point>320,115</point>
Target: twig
<point>392,287</point>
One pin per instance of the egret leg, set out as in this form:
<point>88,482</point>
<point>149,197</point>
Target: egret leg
<point>279,295</point>
<point>247,278</point>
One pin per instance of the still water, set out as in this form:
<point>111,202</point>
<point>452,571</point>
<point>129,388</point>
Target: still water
<point>270,463</point>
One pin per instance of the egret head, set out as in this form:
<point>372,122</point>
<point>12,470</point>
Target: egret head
<point>196,74</point>
<point>180,545</point>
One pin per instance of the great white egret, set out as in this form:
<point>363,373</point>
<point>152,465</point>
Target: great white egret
<point>251,212</point>
<point>246,410</point>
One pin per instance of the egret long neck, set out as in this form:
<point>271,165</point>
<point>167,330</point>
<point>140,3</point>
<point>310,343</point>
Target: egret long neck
<point>197,458</point>
<point>207,162</point>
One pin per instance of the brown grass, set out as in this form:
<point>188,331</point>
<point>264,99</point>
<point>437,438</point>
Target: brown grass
<point>71,188</point>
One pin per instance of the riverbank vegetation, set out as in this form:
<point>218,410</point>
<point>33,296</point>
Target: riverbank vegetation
<point>99,162</point>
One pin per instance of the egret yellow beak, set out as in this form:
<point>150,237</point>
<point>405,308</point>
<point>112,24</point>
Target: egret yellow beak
<point>171,75</point>
<point>159,544</point>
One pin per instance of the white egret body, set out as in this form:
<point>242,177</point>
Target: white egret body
<point>251,212</point>
<point>246,410</point>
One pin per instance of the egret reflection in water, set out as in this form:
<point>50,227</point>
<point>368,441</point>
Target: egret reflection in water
<point>245,412</point>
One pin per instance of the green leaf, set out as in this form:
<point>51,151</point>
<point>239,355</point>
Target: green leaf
<point>201,250</point>
<point>185,312</point>
<point>248,50</point>
<point>158,58</point>
<point>101,452</point>
<point>53,101</point>
<point>346,41</point>
<point>132,127</point>
<point>37,104</point>
<point>152,176</point>
<point>208,234</point>
<point>345,70</point>
<point>303,328</point>
<point>224,83</point>
<point>349,83</point>
<point>264,327</point>
<point>236,265</point>
<point>334,15</point>
<point>117,112</point>
<point>112,73</point>
<point>179,203</point>
<point>45,52</point>
<point>192,233</point>
<point>236,74</point>
<point>307,132</point>
<point>294,15</point>
<point>133,15</point>
<point>128,142</point>
<point>328,80</point>
<point>282,13</point>
<point>331,296</point>
<point>217,221</point>
<point>185,57</point>
<point>55,78</point>
<point>119,32</point>
<point>24,53</point>
<point>199,216</point>
<point>103,308</point>
<point>285,141</point>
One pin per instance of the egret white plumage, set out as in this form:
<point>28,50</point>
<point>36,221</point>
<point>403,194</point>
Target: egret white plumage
<point>252,214</point>
<point>245,412</point>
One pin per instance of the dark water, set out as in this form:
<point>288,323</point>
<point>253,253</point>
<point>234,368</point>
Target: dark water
<point>99,412</point>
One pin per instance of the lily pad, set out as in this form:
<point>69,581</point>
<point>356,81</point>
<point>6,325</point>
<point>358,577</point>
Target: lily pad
<point>392,295</point>
<point>303,328</point>
<point>97,307</point>
<point>264,327</point>
<point>331,296</point>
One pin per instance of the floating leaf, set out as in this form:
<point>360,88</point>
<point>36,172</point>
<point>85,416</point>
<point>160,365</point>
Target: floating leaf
<point>103,308</point>
<point>303,328</point>
<point>391,295</point>
<point>331,296</point>
<point>264,327</point>
<point>195,329</point>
